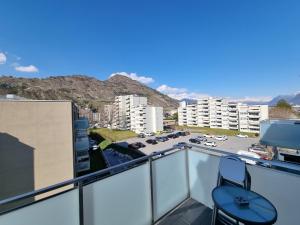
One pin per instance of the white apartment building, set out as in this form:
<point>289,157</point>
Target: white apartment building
<point>203,112</point>
<point>187,115</point>
<point>219,113</point>
<point>257,113</point>
<point>131,112</point>
<point>146,119</point>
<point>122,108</point>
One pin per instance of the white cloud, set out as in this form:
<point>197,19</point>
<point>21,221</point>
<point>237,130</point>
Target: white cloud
<point>179,93</point>
<point>252,99</point>
<point>2,58</point>
<point>27,69</point>
<point>134,76</point>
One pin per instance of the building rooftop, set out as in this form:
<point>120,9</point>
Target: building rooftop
<point>281,133</point>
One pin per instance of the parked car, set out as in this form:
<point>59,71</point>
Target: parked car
<point>183,133</point>
<point>176,135</point>
<point>160,139</point>
<point>140,144</point>
<point>249,154</point>
<point>166,138</point>
<point>210,144</point>
<point>242,135</point>
<point>141,135</point>
<point>195,140</point>
<point>221,138</point>
<point>169,130</point>
<point>201,138</point>
<point>151,141</point>
<point>182,145</point>
<point>170,136</point>
<point>149,134</point>
<point>208,136</point>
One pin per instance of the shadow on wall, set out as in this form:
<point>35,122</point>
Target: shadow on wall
<point>16,169</point>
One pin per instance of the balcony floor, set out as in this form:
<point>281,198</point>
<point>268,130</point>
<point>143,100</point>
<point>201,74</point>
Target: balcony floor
<point>190,212</point>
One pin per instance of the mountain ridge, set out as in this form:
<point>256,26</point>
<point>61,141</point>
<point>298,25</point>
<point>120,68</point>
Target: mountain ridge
<point>82,89</point>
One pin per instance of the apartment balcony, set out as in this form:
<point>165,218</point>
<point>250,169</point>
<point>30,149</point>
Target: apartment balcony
<point>254,115</point>
<point>254,122</point>
<point>166,189</point>
<point>254,110</point>
<point>233,114</point>
<point>233,119</point>
<point>232,109</point>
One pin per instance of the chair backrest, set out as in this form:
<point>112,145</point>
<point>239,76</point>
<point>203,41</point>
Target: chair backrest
<point>233,170</point>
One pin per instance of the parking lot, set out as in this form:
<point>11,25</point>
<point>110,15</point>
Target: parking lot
<point>233,144</point>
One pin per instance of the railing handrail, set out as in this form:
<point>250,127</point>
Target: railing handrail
<point>81,178</point>
<point>278,163</point>
<point>139,160</point>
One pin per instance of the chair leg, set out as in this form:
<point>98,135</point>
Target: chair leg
<point>214,216</point>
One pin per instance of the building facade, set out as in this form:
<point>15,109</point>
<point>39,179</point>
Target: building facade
<point>36,144</point>
<point>131,112</point>
<point>123,106</point>
<point>219,113</point>
<point>146,119</point>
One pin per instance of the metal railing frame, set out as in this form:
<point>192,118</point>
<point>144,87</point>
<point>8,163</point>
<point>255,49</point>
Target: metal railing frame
<point>79,182</point>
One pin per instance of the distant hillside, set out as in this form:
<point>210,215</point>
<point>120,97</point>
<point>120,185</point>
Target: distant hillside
<point>84,90</point>
<point>293,99</point>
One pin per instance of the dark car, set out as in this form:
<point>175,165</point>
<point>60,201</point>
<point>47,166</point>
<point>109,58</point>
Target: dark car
<point>165,138</point>
<point>136,145</point>
<point>176,135</point>
<point>194,140</point>
<point>160,139</point>
<point>170,136</point>
<point>140,144</point>
<point>181,133</point>
<point>201,138</point>
<point>173,136</point>
<point>151,141</point>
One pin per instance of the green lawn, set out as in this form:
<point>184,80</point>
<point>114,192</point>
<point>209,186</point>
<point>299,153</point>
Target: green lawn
<point>213,131</point>
<point>114,135</point>
<point>104,144</point>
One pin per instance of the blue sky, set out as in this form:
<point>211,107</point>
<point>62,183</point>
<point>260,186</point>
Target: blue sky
<point>232,48</point>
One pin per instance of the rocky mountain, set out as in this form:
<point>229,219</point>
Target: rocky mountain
<point>84,90</point>
<point>292,99</point>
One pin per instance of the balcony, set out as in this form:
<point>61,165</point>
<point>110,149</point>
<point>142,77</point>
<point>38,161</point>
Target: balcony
<point>254,115</point>
<point>174,188</point>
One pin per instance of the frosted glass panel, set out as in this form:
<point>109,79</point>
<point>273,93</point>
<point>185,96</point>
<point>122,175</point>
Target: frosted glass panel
<point>121,199</point>
<point>170,182</point>
<point>203,171</point>
<point>281,188</point>
<point>62,209</point>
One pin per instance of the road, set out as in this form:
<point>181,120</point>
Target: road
<point>233,144</point>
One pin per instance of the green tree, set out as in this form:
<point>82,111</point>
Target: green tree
<point>283,104</point>
<point>175,116</point>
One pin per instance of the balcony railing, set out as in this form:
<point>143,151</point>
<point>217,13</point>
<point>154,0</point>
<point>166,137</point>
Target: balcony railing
<point>148,188</point>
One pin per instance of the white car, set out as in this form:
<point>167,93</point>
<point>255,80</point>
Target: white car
<point>208,136</point>
<point>221,138</point>
<point>249,154</point>
<point>148,134</point>
<point>242,135</point>
<point>210,144</point>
